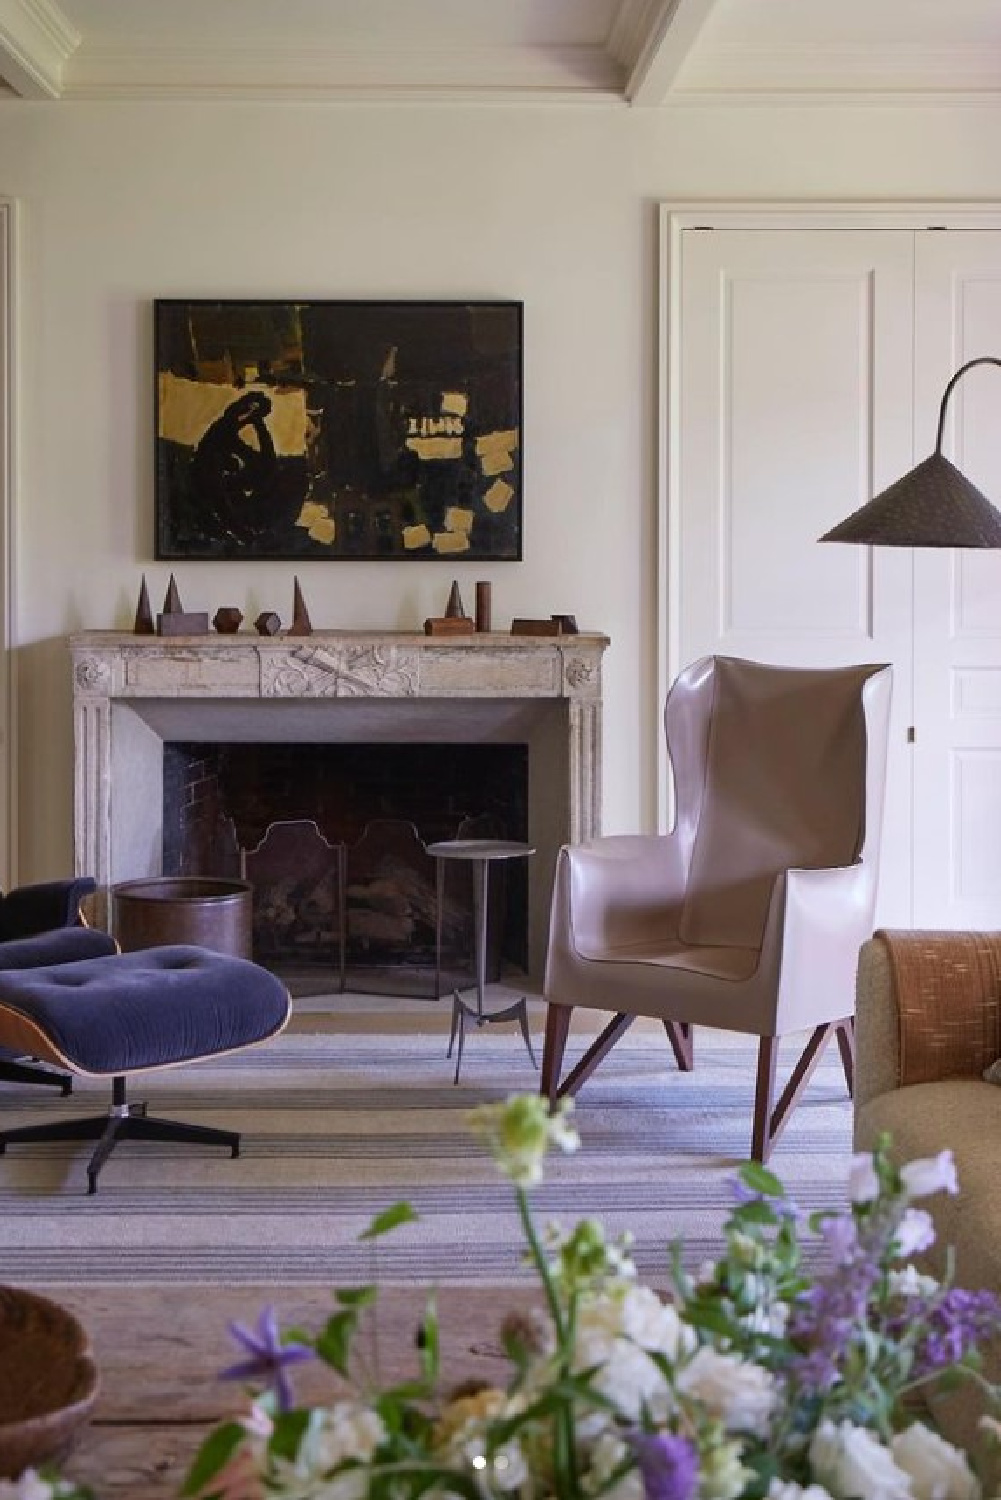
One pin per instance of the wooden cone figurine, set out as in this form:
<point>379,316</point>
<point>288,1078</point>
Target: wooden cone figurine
<point>301,623</point>
<point>454,609</point>
<point>172,599</point>
<point>144,615</point>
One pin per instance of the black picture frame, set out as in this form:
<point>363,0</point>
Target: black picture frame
<point>342,430</point>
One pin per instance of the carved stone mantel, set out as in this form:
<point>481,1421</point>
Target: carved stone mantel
<point>132,692</point>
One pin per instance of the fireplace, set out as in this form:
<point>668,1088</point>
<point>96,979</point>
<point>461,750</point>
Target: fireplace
<point>134,695</point>
<point>333,838</point>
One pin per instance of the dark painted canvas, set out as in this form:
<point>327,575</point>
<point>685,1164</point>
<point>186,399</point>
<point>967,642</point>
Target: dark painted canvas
<point>338,430</point>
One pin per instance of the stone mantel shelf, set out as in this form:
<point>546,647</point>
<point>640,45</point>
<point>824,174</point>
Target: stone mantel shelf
<point>339,663</point>
<point>131,693</point>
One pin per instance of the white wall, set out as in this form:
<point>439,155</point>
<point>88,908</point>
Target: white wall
<point>555,206</point>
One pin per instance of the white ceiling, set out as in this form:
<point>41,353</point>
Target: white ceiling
<point>611,52</point>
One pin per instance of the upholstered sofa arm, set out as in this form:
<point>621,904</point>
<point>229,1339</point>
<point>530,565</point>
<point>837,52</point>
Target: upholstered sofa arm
<point>877,1026</point>
<point>928,1007</point>
<point>37,908</point>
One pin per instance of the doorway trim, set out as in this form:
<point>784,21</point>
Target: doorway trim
<point>8,546</point>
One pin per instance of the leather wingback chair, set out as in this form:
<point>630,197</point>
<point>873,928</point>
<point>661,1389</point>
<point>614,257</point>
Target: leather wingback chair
<point>749,915</point>
<point>41,925</point>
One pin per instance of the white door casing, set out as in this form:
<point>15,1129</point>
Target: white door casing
<point>797,375</point>
<point>8,722</point>
<point>957,625</point>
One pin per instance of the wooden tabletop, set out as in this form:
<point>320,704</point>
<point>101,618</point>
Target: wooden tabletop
<point>159,1351</point>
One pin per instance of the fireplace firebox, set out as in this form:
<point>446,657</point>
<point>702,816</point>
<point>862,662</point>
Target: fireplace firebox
<point>333,838</point>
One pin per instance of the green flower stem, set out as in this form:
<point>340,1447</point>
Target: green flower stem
<point>564,1445</point>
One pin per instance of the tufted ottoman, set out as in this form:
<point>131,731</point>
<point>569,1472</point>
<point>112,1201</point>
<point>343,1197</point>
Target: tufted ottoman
<point>108,1017</point>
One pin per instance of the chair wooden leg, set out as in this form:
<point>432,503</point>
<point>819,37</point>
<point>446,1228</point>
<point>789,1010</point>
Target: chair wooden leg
<point>761,1136</point>
<point>767,1134</point>
<point>845,1031</point>
<point>595,1054</point>
<point>679,1034</point>
<point>557,1031</point>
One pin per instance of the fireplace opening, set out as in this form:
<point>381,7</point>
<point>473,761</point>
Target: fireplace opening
<point>333,837</point>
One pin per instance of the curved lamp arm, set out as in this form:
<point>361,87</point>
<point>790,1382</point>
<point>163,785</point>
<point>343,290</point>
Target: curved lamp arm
<point>985,359</point>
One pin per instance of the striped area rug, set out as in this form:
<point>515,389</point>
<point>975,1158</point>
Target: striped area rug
<point>338,1123</point>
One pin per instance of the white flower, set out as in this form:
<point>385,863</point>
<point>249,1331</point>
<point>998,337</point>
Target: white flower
<point>930,1174</point>
<point>346,1430</point>
<point>653,1324</point>
<point>519,1132</point>
<point>28,1487</point>
<point>740,1394</point>
<point>853,1465</point>
<point>786,1489</point>
<point>914,1232</point>
<point>607,1453</point>
<point>938,1470</point>
<point>722,1475</point>
<point>863,1182</point>
<point>771,1318</point>
<point>911,1283</point>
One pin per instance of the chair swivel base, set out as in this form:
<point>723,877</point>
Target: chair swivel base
<point>462,1012</point>
<point>123,1122</point>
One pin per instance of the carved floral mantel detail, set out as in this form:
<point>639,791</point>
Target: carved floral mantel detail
<point>121,669</point>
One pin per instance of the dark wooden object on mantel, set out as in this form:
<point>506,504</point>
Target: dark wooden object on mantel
<point>449,625</point>
<point>144,614</point>
<point>175,620</point>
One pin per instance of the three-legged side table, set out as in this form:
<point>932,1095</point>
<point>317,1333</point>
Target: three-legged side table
<point>480,853</point>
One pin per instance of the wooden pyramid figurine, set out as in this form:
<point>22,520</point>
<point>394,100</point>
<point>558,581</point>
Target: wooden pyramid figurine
<point>454,609</point>
<point>174,620</point>
<point>301,623</point>
<point>144,614</point>
<point>172,599</point>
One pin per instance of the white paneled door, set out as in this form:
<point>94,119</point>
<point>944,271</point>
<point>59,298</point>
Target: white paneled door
<point>806,360</point>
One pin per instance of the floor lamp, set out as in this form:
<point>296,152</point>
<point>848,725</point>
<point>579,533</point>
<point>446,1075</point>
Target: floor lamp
<point>933,505</point>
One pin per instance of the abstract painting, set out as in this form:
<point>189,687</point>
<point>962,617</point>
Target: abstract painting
<point>298,430</point>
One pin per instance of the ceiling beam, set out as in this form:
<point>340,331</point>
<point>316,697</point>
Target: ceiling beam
<point>652,39</point>
<point>36,42</point>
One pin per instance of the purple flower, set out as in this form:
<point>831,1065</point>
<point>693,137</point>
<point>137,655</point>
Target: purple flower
<point>953,1328</point>
<point>668,1465</point>
<point>269,1357</point>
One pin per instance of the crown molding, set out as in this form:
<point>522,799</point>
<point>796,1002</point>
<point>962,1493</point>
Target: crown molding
<point>36,42</point>
<point>845,70</point>
<point>352,74</point>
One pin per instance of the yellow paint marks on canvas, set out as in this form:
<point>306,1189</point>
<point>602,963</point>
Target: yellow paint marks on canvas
<point>312,511</point>
<point>496,450</point>
<point>498,497</point>
<point>458,518</point>
<point>451,541</point>
<point>416,536</point>
<point>436,447</point>
<point>324,530</point>
<point>188,407</point>
<point>454,403</point>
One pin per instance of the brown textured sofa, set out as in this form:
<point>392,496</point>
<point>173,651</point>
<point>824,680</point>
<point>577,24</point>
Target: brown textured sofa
<point>927,1025</point>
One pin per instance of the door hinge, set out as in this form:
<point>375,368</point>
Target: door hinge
<point>910,734</point>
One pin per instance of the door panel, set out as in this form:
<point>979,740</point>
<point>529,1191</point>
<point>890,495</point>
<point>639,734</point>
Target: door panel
<point>795,379</point>
<point>957,637</point>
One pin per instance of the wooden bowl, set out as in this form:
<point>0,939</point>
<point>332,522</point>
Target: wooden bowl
<point>48,1380</point>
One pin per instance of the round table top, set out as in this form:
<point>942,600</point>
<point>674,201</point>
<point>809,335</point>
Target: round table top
<point>479,849</point>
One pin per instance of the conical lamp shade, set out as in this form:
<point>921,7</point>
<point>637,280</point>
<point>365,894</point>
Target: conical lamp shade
<point>932,506</point>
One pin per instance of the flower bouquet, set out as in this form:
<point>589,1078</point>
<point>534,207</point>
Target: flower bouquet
<point>751,1378</point>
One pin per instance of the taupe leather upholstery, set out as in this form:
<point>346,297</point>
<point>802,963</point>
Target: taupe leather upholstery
<point>749,915</point>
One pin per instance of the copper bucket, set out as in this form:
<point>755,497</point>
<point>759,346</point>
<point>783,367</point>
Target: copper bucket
<point>183,909</point>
